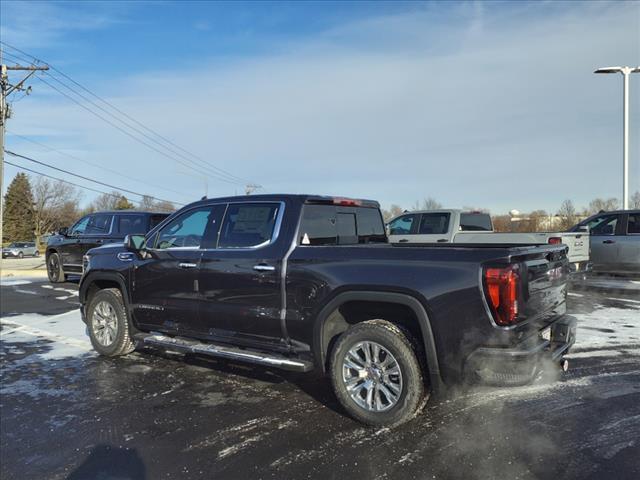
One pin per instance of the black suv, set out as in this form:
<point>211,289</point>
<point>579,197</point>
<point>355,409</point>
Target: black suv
<point>66,249</point>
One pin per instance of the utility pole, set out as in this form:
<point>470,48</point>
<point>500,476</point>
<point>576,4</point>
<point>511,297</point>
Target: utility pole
<point>5,90</point>
<point>252,187</point>
<point>625,71</point>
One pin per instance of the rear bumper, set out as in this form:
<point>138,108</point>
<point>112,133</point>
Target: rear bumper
<point>522,363</point>
<point>580,267</point>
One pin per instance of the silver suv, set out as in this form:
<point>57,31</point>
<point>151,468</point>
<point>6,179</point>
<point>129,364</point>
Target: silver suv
<point>20,249</point>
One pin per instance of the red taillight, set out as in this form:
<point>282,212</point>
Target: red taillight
<point>555,240</point>
<point>502,293</point>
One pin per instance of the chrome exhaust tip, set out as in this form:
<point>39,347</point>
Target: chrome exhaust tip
<point>564,364</point>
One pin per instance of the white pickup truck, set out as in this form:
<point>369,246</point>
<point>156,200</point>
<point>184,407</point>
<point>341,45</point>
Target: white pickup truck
<point>457,226</point>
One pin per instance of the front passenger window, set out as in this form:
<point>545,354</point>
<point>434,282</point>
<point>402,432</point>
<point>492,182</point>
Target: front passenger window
<point>606,226</point>
<point>401,225</point>
<point>80,226</point>
<point>186,231</point>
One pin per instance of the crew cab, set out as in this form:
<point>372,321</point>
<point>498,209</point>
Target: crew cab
<point>65,249</point>
<point>310,283</point>
<point>458,226</point>
<point>615,241</point>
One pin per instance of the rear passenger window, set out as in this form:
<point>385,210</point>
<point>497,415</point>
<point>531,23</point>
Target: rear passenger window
<point>131,224</point>
<point>434,224</point>
<point>99,224</point>
<point>248,225</point>
<point>633,226</point>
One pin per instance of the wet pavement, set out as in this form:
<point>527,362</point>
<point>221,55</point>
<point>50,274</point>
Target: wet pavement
<point>67,413</point>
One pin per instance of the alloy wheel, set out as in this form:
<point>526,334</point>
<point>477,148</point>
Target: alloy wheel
<point>372,376</point>
<point>104,323</point>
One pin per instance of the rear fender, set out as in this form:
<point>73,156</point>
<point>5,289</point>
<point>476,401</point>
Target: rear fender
<point>387,297</point>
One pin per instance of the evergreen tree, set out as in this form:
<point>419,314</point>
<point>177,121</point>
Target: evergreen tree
<point>19,222</point>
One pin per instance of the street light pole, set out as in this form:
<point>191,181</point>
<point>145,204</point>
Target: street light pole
<point>625,71</point>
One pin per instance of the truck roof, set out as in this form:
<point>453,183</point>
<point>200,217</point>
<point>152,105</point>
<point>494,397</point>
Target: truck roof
<point>303,198</point>
<point>446,210</point>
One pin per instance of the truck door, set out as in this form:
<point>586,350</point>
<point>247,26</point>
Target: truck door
<point>604,241</point>
<point>165,289</point>
<point>240,279</point>
<point>629,245</point>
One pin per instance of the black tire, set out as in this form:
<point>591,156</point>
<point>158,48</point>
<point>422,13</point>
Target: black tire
<point>121,343</point>
<point>54,269</point>
<point>20,255</point>
<point>36,253</point>
<point>414,392</point>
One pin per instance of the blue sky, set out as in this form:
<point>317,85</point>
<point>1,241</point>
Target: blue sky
<point>479,104</point>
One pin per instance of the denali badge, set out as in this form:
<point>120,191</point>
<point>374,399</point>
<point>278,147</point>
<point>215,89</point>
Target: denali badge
<point>145,306</point>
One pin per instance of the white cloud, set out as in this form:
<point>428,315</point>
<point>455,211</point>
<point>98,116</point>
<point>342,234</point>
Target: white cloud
<point>489,107</point>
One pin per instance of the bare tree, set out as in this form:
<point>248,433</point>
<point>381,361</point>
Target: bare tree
<point>502,223</point>
<point>111,201</point>
<point>147,203</point>
<point>427,204</point>
<point>55,205</point>
<point>567,214</point>
<point>164,206</point>
<point>394,211</point>
<point>537,219</point>
<point>635,200</point>
<point>599,204</point>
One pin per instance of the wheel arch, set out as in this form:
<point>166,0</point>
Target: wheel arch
<point>96,281</point>
<point>330,323</point>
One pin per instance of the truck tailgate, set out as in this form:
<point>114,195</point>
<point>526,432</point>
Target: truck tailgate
<point>578,243</point>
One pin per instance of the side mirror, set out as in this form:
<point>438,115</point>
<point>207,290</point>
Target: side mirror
<point>134,243</point>
<point>583,228</point>
<point>64,231</point>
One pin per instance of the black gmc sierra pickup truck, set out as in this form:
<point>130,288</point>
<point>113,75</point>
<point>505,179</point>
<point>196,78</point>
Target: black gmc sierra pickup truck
<point>306,283</point>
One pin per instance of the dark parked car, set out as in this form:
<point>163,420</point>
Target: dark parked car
<point>20,249</point>
<point>310,283</point>
<point>615,241</point>
<point>65,250</point>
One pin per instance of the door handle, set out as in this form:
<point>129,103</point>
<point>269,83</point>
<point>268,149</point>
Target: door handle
<point>264,268</point>
<point>609,241</point>
<point>442,240</point>
<point>403,240</point>
<point>99,241</point>
<point>187,265</point>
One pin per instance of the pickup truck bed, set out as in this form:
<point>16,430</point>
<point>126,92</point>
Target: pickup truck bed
<point>456,226</point>
<point>310,283</point>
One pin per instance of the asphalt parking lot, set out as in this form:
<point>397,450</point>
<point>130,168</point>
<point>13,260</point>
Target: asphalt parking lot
<point>66,413</point>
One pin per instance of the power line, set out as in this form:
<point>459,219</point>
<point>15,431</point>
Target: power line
<point>203,163</point>
<point>65,181</point>
<point>145,135</point>
<point>97,165</point>
<point>125,131</point>
<point>13,154</point>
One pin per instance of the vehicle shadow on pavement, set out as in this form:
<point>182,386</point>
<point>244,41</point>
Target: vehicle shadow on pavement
<point>107,461</point>
<point>315,385</point>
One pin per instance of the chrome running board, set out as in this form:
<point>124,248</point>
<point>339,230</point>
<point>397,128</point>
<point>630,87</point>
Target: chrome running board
<point>183,344</point>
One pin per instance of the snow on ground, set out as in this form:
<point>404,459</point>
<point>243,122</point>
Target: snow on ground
<point>609,329</point>
<point>64,334</point>
<point>612,283</point>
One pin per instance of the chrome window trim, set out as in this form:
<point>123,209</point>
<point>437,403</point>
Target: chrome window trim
<point>274,235</point>
<point>157,233</point>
